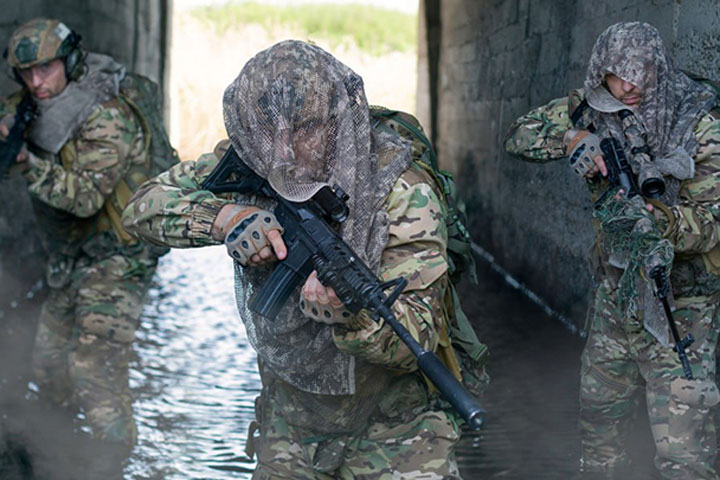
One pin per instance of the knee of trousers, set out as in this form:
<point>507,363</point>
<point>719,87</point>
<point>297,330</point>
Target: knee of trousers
<point>689,429</point>
<point>604,396</point>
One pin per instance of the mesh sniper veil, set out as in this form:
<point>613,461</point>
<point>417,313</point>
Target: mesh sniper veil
<point>671,106</point>
<point>299,118</point>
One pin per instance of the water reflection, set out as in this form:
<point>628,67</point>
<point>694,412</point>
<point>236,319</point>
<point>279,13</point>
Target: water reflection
<point>195,377</point>
<point>195,380</point>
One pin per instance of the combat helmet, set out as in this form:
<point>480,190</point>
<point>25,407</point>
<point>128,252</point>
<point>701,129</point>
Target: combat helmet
<point>41,40</point>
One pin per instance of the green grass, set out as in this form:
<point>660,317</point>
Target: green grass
<point>374,30</point>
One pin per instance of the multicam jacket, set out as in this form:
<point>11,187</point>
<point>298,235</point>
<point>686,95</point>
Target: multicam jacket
<point>72,190</point>
<point>172,210</point>
<point>693,228</point>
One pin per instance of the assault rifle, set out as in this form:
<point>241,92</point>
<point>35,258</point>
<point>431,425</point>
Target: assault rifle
<point>620,172</point>
<point>314,245</point>
<point>10,148</point>
<point>663,287</point>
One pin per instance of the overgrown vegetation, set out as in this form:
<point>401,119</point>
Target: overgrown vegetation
<point>374,30</point>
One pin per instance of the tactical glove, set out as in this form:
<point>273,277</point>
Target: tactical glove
<point>247,233</point>
<point>324,313</point>
<point>582,147</point>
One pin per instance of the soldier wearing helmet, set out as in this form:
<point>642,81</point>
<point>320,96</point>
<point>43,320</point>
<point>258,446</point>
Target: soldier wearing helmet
<point>81,148</point>
<point>41,47</point>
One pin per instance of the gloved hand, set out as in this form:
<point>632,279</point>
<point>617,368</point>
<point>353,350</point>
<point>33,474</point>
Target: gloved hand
<point>584,154</point>
<point>621,214</point>
<point>253,236</point>
<point>319,303</point>
<point>6,123</point>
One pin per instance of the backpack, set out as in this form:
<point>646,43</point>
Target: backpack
<point>473,354</point>
<point>459,246</point>
<point>145,100</point>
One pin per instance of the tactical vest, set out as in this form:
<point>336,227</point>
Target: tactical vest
<point>144,98</point>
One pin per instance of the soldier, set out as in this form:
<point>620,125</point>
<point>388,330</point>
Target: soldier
<point>342,396</point>
<point>86,148</point>
<point>667,124</point>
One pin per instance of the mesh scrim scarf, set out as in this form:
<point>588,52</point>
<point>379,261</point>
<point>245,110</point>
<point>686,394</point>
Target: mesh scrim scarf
<point>671,105</point>
<point>299,118</point>
<point>62,116</point>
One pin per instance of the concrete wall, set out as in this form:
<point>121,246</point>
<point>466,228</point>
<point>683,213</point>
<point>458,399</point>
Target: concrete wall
<point>133,31</point>
<point>495,60</point>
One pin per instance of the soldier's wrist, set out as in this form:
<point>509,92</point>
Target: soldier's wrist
<point>34,168</point>
<point>226,217</point>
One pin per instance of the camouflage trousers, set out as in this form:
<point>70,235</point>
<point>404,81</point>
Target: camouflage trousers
<point>423,448</point>
<point>620,359</point>
<point>83,341</point>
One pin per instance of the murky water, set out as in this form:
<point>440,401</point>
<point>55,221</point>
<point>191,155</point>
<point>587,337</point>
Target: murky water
<point>194,379</point>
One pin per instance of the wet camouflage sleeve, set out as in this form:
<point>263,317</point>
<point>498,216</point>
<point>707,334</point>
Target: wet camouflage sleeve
<point>697,214</point>
<point>538,136</point>
<point>98,157</point>
<point>416,250</point>
<point>171,209</point>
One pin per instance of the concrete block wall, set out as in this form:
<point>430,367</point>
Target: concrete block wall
<point>497,59</point>
<point>134,32</point>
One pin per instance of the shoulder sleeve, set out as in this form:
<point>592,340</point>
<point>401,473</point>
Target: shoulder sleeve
<point>694,228</point>
<point>172,209</point>
<point>538,135</point>
<point>416,250</point>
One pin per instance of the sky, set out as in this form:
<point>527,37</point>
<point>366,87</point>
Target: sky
<point>408,6</point>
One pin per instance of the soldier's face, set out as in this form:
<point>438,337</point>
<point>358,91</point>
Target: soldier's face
<point>626,92</point>
<point>46,79</point>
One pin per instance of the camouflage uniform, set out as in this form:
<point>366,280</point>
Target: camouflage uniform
<point>97,274</point>
<point>620,356</point>
<point>406,435</point>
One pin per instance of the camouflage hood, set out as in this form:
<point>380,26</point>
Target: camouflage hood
<point>299,118</point>
<point>62,116</point>
<point>672,103</point>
